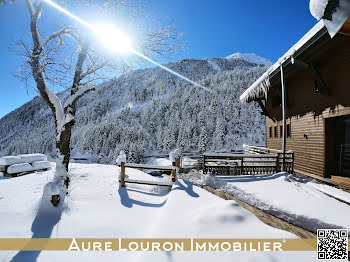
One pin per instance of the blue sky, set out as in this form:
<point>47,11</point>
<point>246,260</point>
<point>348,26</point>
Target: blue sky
<point>211,29</point>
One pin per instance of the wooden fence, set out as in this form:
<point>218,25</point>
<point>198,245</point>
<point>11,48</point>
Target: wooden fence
<point>172,169</point>
<point>246,164</point>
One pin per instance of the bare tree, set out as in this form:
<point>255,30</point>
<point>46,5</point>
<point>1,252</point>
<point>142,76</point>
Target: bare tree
<point>66,54</point>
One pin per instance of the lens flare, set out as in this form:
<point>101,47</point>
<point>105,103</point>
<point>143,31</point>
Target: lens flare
<point>113,39</point>
<point>116,41</point>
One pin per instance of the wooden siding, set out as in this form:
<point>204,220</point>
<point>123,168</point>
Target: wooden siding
<point>333,65</point>
<point>307,109</point>
<point>307,140</point>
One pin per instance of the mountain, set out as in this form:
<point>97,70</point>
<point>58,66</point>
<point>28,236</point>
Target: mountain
<point>250,57</point>
<point>149,111</point>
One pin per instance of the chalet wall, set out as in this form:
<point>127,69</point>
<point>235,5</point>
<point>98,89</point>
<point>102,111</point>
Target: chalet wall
<point>332,62</point>
<point>306,107</point>
<point>307,139</point>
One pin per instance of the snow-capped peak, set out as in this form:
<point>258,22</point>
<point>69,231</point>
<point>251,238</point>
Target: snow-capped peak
<point>250,57</point>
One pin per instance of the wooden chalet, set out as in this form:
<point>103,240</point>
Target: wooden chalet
<point>305,97</point>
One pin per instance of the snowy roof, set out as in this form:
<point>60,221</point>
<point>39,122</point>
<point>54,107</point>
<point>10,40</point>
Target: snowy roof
<point>260,87</point>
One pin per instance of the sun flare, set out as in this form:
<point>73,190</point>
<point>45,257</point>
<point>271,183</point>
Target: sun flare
<point>112,38</point>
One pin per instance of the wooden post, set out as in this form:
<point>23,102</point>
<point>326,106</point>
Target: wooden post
<point>177,162</point>
<point>122,174</point>
<point>292,162</point>
<point>204,170</point>
<point>173,172</point>
<point>278,169</point>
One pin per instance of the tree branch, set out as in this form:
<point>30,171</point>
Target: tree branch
<point>49,97</point>
<point>58,33</point>
<point>79,67</point>
<point>73,99</point>
<point>93,69</point>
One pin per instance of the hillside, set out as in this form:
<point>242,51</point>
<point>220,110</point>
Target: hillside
<point>149,111</point>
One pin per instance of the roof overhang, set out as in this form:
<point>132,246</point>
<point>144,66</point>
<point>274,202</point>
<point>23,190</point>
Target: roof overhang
<point>340,23</point>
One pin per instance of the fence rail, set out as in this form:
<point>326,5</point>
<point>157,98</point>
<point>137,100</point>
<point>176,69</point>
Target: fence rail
<point>246,164</point>
<point>173,169</point>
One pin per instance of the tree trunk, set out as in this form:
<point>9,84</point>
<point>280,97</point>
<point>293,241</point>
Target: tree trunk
<point>61,177</point>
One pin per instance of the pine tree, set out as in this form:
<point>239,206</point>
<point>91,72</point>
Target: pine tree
<point>203,140</point>
<point>219,135</point>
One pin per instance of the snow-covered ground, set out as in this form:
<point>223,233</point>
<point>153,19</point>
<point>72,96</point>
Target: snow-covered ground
<point>301,201</point>
<point>97,208</point>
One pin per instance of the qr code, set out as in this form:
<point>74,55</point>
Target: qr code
<point>332,244</point>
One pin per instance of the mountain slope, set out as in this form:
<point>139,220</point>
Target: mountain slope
<point>149,111</point>
<point>250,57</point>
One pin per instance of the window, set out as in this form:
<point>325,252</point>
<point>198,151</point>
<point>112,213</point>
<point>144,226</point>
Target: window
<point>275,129</point>
<point>270,131</point>
<point>289,131</point>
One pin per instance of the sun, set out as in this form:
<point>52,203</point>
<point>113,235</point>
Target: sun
<point>113,38</point>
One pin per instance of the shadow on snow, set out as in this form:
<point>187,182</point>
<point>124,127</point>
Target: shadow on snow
<point>44,222</point>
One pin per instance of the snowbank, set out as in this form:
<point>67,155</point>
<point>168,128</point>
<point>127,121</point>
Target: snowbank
<point>30,158</point>
<point>37,165</point>
<point>287,197</point>
<point>24,163</point>
<point>19,168</point>
<point>10,160</point>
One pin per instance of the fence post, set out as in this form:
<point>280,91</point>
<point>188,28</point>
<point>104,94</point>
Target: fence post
<point>122,174</point>
<point>177,162</point>
<point>174,171</point>
<point>278,163</point>
<point>204,170</point>
<point>293,162</point>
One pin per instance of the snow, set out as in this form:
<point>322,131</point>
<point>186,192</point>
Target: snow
<point>296,200</point>
<point>162,183</point>
<point>121,158</point>
<point>146,166</point>
<point>10,160</point>
<point>29,158</point>
<point>317,8</point>
<point>187,161</point>
<point>137,175</point>
<point>159,162</point>
<point>2,168</point>
<point>339,17</point>
<point>19,168</point>
<point>250,57</point>
<point>41,165</point>
<point>332,191</point>
<point>97,207</point>
<point>174,155</point>
<point>214,65</point>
